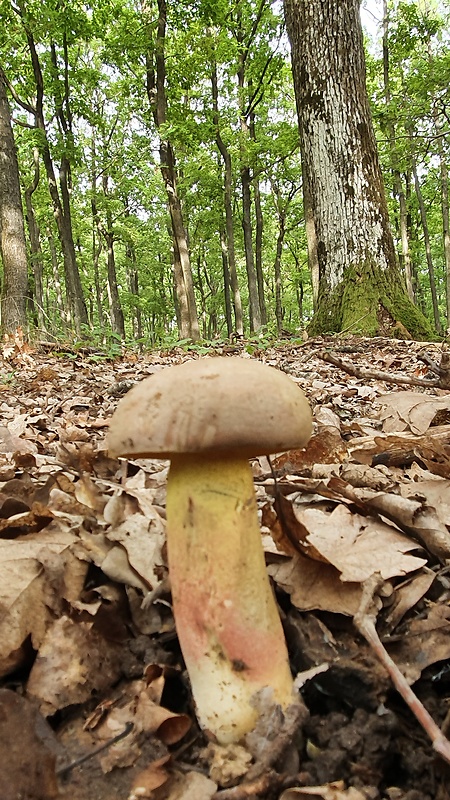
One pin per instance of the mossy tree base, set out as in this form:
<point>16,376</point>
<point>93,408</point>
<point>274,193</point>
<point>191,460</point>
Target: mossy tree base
<point>369,302</point>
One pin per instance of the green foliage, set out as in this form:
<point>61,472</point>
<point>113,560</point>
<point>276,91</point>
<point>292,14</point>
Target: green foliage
<point>98,116</point>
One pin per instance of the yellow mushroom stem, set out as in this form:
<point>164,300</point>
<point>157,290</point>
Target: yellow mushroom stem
<point>227,620</point>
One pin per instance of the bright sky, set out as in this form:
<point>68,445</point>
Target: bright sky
<point>371,16</point>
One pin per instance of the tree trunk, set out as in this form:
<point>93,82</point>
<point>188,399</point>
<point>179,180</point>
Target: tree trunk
<point>35,243</point>
<point>226,282</point>
<point>445,213</point>
<point>228,205</point>
<point>12,232</point>
<point>61,204</point>
<point>156,92</point>
<point>59,312</point>
<point>259,227</point>
<point>426,238</point>
<point>311,236</point>
<point>115,307</point>
<point>397,179</point>
<point>246,182</point>
<point>360,288</point>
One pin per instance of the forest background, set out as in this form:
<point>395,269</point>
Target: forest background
<point>121,111</point>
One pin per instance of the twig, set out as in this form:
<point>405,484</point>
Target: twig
<point>364,621</point>
<point>388,377</point>
<point>63,771</point>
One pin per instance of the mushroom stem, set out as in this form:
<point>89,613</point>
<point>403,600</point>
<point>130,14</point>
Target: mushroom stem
<point>225,612</point>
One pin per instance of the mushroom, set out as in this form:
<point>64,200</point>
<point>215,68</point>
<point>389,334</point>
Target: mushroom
<point>209,417</point>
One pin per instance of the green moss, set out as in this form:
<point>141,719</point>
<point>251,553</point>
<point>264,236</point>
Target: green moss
<point>369,302</point>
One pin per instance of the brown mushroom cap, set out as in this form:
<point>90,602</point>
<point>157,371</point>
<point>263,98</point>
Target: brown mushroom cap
<point>216,406</point>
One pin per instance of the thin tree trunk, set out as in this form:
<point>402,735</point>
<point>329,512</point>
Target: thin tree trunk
<point>12,232</point>
<point>60,312</point>
<point>445,213</point>
<point>115,307</point>
<point>397,179</point>
<point>277,273</point>
<point>156,92</point>
<point>61,205</point>
<point>226,282</point>
<point>35,243</point>
<point>246,182</point>
<point>228,205</point>
<point>426,238</point>
<point>259,227</point>
<point>133,282</point>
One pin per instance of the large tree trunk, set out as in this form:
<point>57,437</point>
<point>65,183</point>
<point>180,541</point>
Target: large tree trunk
<point>360,287</point>
<point>12,233</point>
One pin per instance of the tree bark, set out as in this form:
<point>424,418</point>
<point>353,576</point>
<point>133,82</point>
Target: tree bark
<point>360,287</point>
<point>156,92</point>
<point>35,243</point>
<point>12,232</point>
<point>426,238</point>
<point>259,227</point>
<point>246,182</point>
<point>228,205</point>
<point>61,204</point>
<point>397,179</point>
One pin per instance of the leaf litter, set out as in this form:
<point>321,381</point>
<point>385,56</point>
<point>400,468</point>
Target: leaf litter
<point>95,702</point>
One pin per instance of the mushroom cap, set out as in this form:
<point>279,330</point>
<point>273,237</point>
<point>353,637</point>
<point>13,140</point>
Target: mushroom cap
<point>229,407</point>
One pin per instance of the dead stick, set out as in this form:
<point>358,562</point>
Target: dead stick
<point>366,626</point>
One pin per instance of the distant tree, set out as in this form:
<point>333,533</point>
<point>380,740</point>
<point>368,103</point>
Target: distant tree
<point>360,286</point>
<point>12,234</point>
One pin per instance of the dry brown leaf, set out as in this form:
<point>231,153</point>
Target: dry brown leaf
<point>411,410</point>
<point>25,604</point>
<point>358,546</point>
<point>142,538</point>
<point>73,662</point>
<point>315,585</point>
<point>423,642</point>
<point>148,717</point>
<point>407,596</point>
<point>332,791</point>
<point>150,778</point>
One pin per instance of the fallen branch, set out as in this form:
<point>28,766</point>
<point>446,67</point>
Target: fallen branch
<point>364,622</point>
<point>442,382</point>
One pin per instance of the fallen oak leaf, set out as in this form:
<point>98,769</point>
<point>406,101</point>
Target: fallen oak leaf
<point>413,517</point>
<point>358,546</point>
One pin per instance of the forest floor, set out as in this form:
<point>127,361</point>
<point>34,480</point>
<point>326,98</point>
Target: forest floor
<point>94,702</point>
